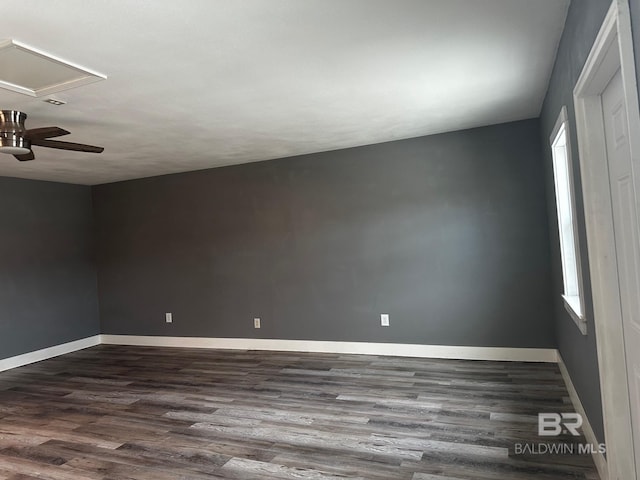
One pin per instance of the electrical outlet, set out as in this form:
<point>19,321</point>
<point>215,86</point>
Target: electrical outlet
<point>256,322</point>
<point>168,317</point>
<point>384,319</point>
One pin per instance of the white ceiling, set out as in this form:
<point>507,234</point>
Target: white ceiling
<point>202,83</point>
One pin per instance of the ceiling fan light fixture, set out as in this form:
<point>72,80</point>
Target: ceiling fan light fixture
<point>14,145</point>
<point>17,141</point>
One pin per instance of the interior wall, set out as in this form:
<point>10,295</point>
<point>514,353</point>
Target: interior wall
<point>579,352</point>
<point>48,293</point>
<point>634,6</point>
<point>448,234</point>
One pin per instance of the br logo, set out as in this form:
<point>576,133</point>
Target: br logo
<point>554,424</point>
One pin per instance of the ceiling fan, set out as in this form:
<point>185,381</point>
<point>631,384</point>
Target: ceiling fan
<point>17,140</point>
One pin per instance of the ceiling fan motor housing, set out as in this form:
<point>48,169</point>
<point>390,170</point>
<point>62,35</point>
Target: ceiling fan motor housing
<point>12,121</point>
<point>12,140</point>
<point>17,140</point>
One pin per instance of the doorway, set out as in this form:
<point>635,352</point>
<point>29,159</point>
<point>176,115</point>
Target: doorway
<point>608,128</point>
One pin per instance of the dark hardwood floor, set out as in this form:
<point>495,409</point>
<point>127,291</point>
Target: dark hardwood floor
<point>121,413</point>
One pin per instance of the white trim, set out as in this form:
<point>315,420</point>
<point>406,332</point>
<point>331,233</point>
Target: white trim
<point>563,118</point>
<point>598,457</point>
<point>575,308</point>
<point>571,305</point>
<point>548,355</point>
<point>612,49</point>
<point>88,75</point>
<point>46,353</point>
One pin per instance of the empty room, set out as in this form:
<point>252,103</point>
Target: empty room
<point>320,239</point>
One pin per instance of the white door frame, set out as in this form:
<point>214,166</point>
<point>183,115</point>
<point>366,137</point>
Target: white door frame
<point>612,50</point>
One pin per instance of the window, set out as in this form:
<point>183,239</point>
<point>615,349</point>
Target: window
<point>565,204</point>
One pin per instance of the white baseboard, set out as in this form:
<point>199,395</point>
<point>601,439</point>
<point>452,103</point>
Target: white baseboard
<point>45,353</point>
<point>548,355</point>
<point>598,458</point>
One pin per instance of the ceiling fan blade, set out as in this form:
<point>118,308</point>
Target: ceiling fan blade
<point>26,157</point>
<point>76,147</point>
<point>44,132</point>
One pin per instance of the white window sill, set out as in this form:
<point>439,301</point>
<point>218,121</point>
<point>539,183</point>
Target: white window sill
<point>573,305</point>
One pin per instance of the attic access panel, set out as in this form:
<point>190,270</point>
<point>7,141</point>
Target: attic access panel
<point>29,71</point>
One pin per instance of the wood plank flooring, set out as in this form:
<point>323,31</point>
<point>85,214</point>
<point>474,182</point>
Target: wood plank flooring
<point>123,413</point>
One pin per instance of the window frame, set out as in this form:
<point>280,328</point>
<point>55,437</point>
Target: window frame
<point>574,304</point>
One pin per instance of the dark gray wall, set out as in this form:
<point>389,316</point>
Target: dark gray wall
<point>447,233</point>
<point>47,276</point>
<point>579,352</point>
<point>635,25</point>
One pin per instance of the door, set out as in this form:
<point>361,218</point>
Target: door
<point>627,238</point>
